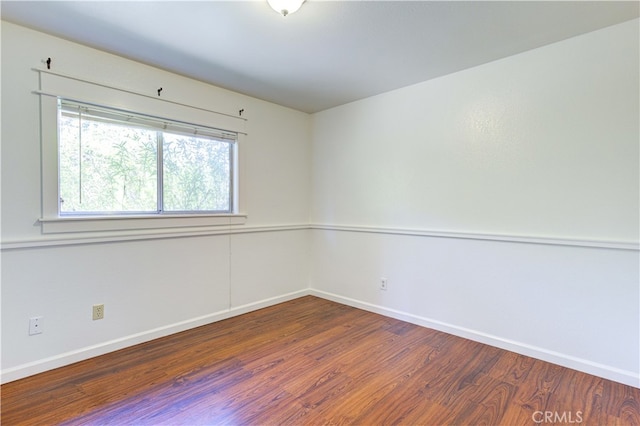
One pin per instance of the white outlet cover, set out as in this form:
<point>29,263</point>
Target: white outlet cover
<point>35,325</point>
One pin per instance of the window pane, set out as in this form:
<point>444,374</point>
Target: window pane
<point>196,174</point>
<point>106,167</point>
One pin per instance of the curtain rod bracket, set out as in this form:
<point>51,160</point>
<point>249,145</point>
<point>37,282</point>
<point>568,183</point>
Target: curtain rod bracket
<point>159,90</point>
<point>240,112</point>
<point>48,62</point>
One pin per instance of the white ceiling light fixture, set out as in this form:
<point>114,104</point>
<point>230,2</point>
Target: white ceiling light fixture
<point>285,7</point>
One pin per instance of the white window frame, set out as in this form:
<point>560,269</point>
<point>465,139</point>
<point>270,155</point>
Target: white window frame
<point>52,222</point>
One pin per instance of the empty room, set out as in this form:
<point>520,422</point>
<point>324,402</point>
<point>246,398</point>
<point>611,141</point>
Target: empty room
<point>320,212</point>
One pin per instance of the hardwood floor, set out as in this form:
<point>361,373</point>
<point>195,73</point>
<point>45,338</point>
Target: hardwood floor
<point>311,361</point>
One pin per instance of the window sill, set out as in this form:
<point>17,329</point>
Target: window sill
<point>59,225</point>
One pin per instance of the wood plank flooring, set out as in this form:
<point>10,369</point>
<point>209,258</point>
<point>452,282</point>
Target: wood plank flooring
<point>311,361</point>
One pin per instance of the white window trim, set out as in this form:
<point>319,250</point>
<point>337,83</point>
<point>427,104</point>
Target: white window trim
<point>66,224</point>
<point>53,223</point>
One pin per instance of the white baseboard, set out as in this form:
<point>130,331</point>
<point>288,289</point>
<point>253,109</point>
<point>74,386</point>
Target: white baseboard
<point>42,365</point>
<point>626,377</point>
<point>605,371</point>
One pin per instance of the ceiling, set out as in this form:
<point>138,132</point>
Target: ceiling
<point>329,52</point>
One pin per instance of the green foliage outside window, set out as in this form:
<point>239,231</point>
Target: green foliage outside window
<point>111,167</point>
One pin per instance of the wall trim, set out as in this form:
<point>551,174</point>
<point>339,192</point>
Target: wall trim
<point>528,239</point>
<point>114,237</point>
<point>605,371</point>
<point>110,237</point>
<point>46,364</point>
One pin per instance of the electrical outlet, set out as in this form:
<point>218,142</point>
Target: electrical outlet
<point>383,283</point>
<point>35,325</point>
<point>98,312</point>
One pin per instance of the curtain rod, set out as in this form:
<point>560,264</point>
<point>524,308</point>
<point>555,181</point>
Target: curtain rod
<point>133,92</point>
<point>81,101</point>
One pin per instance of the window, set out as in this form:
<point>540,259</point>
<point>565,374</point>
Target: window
<point>113,162</point>
<point>117,163</point>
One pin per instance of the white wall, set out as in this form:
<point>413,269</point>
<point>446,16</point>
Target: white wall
<point>542,144</point>
<point>501,202</point>
<point>150,287</point>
